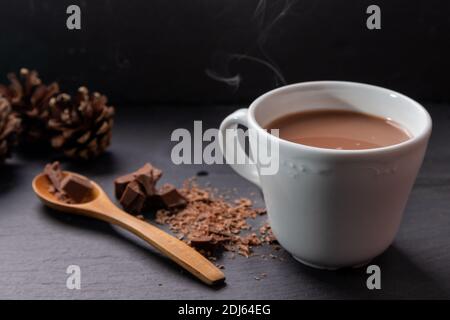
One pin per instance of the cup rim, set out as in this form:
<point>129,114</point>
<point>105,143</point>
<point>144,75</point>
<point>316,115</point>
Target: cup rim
<point>405,144</point>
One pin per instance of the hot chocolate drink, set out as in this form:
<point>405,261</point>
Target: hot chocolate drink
<point>339,129</point>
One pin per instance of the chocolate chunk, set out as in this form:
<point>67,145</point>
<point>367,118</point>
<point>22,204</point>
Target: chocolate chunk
<point>55,176</point>
<point>154,202</point>
<point>147,176</point>
<point>133,199</point>
<point>171,197</point>
<point>137,191</point>
<point>147,183</point>
<point>121,183</point>
<point>132,191</point>
<point>150,170</point>
<point>76,188</point>
<point>140,189</point>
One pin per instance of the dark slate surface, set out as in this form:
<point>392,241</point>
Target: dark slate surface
<point>37,244</point>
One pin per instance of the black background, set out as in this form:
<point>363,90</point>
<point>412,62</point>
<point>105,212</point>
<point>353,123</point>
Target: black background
<point>160,51</point>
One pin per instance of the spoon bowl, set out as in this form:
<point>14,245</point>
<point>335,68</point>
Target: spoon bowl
<point>41,186</point>
<point>99,206</point>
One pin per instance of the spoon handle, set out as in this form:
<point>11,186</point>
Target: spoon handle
<point>175,249</point>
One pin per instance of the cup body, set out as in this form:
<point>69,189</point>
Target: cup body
<point>338,208</point>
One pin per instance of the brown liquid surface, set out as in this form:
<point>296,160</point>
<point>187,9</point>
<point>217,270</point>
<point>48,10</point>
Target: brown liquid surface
<point>339,129</point>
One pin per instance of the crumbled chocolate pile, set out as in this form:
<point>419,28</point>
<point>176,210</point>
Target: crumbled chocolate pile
<point>197,215</point>
<point>67,188</point>
<point>137,191</point>
<point>208,222</point>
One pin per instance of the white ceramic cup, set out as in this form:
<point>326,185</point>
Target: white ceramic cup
<point>335,208</point>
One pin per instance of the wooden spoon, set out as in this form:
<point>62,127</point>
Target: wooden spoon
<point>99,206</point>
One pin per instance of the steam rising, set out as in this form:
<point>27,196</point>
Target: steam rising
<point>233,81</point>
<point>278,75</point>
<point>266,22</point>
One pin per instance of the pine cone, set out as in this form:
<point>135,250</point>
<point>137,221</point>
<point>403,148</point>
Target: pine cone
<point>80,126</point>
<point>9,128</point>
<point>29,97</point>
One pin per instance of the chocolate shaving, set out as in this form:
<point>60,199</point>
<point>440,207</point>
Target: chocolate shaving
<point>208,222</point>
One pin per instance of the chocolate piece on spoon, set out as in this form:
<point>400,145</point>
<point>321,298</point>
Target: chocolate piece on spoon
<point>55,175</point>
<point>76,188</point>
<point>67,188</point>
